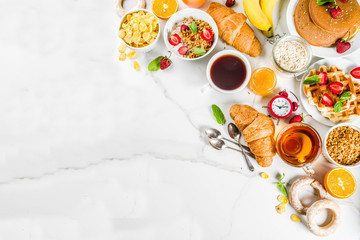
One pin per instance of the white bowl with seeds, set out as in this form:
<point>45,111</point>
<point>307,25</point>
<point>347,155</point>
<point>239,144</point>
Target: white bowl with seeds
<point>292,54</point>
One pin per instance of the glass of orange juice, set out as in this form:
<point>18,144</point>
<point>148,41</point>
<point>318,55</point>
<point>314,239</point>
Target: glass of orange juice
<point>263,81</point>
<point>194,3</point>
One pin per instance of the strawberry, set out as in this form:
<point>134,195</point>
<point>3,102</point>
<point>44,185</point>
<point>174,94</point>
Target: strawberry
<point>207,34</point>
<point>298,118</point>
<point>323,78</point>
<point>336,87</point>
<point>335,11</point>
<point>342,46</point>
<point>356,73</point>
<point>326,100</point>
<point>174,39</point>
<point>165,62</point>
<point>182,50</point>
<point>230,3</point>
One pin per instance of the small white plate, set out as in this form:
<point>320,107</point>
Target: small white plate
<point>341,63</point>
<point>325,52</point>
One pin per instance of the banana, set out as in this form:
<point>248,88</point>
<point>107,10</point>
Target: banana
<point>256,15</point>
<point>267,6</point>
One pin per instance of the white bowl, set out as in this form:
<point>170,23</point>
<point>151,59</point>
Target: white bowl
<point>234,53</point>
<point>325,152</point>
<point>148,47</point>
<point>186,13</point>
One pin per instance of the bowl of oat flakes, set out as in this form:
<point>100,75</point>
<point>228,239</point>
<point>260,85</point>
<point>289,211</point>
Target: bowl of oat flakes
<point>190,34</point>
<point>342,145</point>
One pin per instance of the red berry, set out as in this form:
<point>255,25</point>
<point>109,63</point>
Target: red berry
<point>326,100</point>
<point>184,28</point>
<point>342,46</point>
<point>283,93</point>
<point>356,73</point>
<point>174,40</point>
<point>344,1</point>
<point>296,119</point>
<point>207,34</point>
<point>165,62</point>
<point>230,3</point>
<point>335,12</point>
<point>323,78</point>
<point>336,87</point>
<point>182,50</point>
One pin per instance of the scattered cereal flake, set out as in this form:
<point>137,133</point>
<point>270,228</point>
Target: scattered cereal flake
<point>295,218</point>
<point>122,56</point>
<point>131,54</point>
<point>121,33</point>
<point>136,65</point>
<point>282,199</point>
<point>280,208</point>
<point>264,175</point>
<point>122,48</point>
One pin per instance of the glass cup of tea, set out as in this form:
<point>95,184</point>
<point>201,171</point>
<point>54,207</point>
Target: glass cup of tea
<point>298,145</point>
<point>228,71</point>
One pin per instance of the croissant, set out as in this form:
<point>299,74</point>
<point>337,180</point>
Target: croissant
<point>258,130</point>
<point>234,30</point>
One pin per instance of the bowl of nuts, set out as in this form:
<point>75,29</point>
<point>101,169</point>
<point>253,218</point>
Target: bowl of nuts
<point>139,30</point>
<point>342,145</point>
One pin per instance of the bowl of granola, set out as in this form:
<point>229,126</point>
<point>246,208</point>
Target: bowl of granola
<point>139,30</point>
<point>190,34</point>
<point>342,145</point>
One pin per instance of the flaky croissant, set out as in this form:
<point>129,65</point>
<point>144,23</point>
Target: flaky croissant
<point>258,130</point>
<point>234,29</point>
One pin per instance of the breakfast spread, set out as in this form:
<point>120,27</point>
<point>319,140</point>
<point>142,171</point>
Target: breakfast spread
<point>258,130</point>
<point>139,29</point>
<point>343,145</point>
<point>192,37</point>
<point>234,29</point>
<point>335,94</point>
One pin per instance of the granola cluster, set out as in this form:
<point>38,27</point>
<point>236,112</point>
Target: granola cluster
<point>343,145</point>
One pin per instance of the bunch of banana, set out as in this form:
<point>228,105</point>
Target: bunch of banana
<point>260,14</point>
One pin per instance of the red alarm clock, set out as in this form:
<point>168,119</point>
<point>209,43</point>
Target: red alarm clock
<point>281,106</point>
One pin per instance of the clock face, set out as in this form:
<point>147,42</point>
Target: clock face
<point>281,107</point>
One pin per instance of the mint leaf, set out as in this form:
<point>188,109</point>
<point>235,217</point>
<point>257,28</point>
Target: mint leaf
<point>193,27</point>
<point>154,65</point>
<point>338,106</point>
<point>314,79</point>
<point>345,96</point>
<point>281,185</point>
<point>322,2</point>
<point>198,51</point>
<point>218,114</point>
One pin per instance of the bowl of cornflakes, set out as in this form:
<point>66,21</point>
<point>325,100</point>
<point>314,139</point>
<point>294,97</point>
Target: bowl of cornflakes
<point>139,30</point>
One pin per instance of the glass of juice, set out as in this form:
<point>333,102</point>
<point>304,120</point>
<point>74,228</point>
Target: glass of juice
<point>299,145</point>
<point>194,3</point>
<point>263,81</point>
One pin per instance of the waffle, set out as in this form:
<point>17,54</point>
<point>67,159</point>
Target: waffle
<point>351,106</point>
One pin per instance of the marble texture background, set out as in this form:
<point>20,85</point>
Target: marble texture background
<point>92,149</point>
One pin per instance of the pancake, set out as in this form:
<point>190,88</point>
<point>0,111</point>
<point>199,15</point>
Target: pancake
<point>321,17</point>
<point>314,35</point>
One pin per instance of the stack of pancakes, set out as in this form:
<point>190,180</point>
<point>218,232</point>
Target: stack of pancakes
<point>315,24</point>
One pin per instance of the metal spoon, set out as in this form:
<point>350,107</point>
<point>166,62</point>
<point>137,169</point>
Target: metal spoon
<point>214,133</point>
<point>236,134</point>
<point>220,145</point>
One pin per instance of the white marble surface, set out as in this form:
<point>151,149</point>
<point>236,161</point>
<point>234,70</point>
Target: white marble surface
<point>92,149</point>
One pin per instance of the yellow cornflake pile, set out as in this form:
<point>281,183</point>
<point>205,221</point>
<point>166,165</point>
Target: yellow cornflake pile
<point>295,218</point>
<point>264,175</point>
<point>283,199</point>
<point>280,208</point>
<point>136,65</point>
